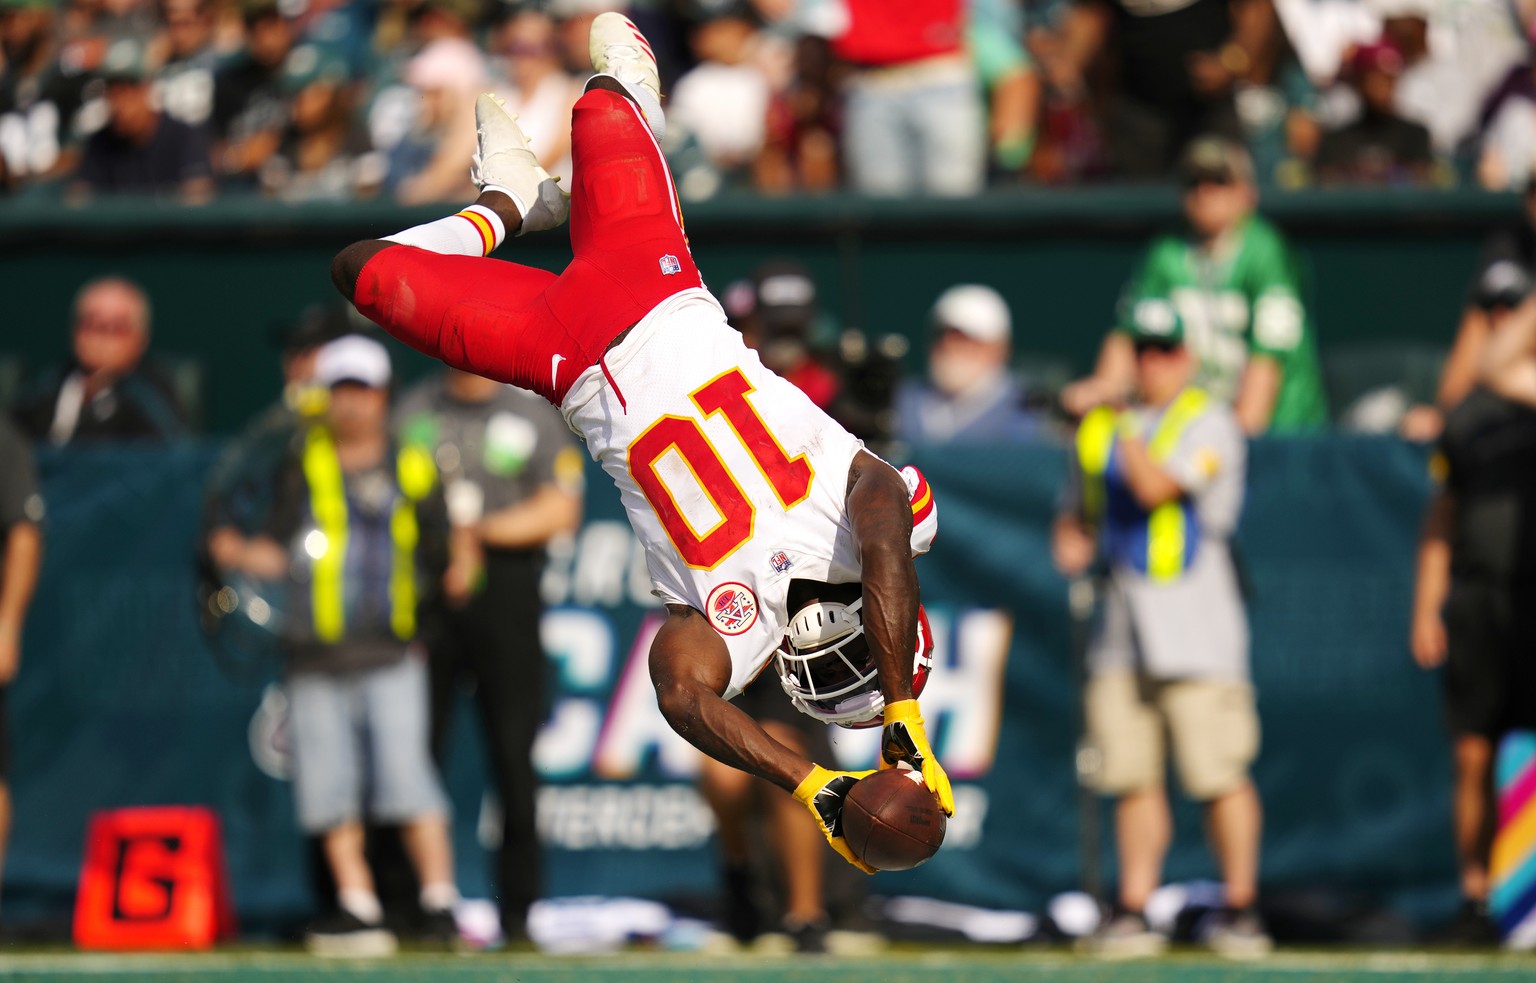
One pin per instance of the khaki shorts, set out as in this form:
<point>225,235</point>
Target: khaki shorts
<point>1211,723</point>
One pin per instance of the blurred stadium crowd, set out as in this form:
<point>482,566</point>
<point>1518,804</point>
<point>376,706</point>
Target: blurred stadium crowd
<point>340,100</point>
<point>307,100</point>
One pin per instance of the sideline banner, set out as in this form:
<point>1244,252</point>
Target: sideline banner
<point>121,702</point>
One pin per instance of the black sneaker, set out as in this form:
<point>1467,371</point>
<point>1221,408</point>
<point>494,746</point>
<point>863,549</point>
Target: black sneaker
<point>810,936</point>
<point>1126,935</point>
<point>438,927</point>
<point>342,935</point>
<point>1238,934</point>
<point>741,917</point>
<point>1472,928</point>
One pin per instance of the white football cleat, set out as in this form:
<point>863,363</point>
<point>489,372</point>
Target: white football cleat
<point>504,161</point>
<point>621,52</point>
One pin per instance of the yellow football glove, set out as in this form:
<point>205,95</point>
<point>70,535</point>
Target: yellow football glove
<point>905,740</point>
<point>823,792</point>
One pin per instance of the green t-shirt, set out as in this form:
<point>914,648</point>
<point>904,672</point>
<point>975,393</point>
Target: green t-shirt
<point>1242,299</point>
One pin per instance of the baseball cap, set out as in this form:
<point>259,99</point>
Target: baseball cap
<point>1216,160</point>
<point>125,61</point>
<point>1503,284</point>
<point>1154,320</point>
<point>785,295</point>
<point>978,312</point>
<point>354,358</point>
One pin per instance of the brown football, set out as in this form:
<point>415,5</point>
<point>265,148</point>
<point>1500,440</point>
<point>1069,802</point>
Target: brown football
<point>891,821</point>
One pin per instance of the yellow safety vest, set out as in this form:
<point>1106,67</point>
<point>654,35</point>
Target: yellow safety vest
<point>1167,525</point>
<point>327,546</point>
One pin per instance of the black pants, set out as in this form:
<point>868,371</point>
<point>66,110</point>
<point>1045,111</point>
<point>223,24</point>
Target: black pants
<point>493,644</point>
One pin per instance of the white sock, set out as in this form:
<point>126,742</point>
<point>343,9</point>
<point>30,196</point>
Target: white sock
<point>439,897</point>
<point>364,904</point>
<point>475,231</point>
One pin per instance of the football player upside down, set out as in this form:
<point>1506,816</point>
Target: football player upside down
<point>770,533</point>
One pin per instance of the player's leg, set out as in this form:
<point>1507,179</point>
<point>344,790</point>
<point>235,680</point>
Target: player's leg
<point>626,223</point>
<point>1473,812</point>
<point>430,286</point>
<point>797,846</point>
<point>404,785</point>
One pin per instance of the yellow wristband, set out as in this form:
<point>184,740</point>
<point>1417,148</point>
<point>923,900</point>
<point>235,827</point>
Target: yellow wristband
<point>812,783</point>
<point>903,711</point>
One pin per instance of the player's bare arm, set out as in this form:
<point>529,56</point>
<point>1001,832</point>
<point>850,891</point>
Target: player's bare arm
<point>881,513</point>
<point>691,669</point>
<point>880,509</point>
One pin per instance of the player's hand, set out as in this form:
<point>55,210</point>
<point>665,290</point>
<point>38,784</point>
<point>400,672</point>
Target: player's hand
<point>906,740</point>
<point>823,792</point>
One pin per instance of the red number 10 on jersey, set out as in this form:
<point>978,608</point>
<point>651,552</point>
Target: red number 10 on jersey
<point>790,478</point>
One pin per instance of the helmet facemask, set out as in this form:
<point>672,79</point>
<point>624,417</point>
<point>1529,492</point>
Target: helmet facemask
<point>825,663</point>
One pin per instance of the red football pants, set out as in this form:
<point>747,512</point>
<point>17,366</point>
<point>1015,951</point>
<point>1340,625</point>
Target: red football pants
<point>527,326</point>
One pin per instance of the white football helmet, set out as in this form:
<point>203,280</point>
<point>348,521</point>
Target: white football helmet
<point>825,663</point>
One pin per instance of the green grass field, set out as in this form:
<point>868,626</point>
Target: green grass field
<point>917,965</point>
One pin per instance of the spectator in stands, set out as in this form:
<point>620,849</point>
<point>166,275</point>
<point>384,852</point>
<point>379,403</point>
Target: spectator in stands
<point>1238,290</point>
<point>249,105</point>
<point>237,501</point>
<point>39,96</point>
<point>539,90</point>
<point>720,106</point>
<point>1508,139</point>
<point>21,516</point>
<point>1476,564</point>
<point>324,154</point>
<point>800,150</point>
<point>1175,67</point>
<point>359,535</point>
<point>1508,256</point>
<point>995,39</point>
<point>513,479</point>
<point>187,60</point>
<point>914,122</point>
<point>778,326</point>
<point>1157,489</point>
<point>1380,147</point>
<point>106,392</point>
<point>140,150</point>
<point>428,164</point>
<point>1454,54</point>
<point>969,396</point>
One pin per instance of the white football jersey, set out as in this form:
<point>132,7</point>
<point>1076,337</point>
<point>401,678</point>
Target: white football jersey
<point>734,481</point>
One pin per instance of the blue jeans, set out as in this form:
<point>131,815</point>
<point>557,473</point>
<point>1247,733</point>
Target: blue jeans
<point>918,130</point>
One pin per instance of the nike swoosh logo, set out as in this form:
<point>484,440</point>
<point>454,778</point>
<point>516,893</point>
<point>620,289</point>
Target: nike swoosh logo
<point>554,370</point>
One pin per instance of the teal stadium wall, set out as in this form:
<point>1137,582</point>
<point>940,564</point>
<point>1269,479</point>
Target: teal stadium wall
<point>1384,266</point>
<point>123,701</point>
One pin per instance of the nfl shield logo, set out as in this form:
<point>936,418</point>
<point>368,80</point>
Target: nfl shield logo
<point>670,265</point>
<point>732,608</point>
<point>780,561</point>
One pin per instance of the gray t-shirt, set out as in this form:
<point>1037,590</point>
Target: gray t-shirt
<point>1194,626</point>
<point>493,454</point>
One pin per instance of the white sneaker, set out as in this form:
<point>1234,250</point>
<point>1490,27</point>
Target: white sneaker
<point>620,51</point>
<point>504,160</point>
